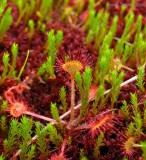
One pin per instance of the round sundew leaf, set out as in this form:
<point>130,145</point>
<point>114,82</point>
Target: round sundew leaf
<point>72,67</point>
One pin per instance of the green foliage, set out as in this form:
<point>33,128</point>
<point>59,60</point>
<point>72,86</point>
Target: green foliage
<point>89,37</point>
<point>41,140</point>
<point>84,158</point>
<point>91,26</point>
<point>41,26</point>
<point>31,152</point>
<point>143,144</point>
<point>140,48</point>
<point>59,38</point>
<point>97,145</point>
<point>105,64</point>
<point>130,130</point>
<point>125,36</point>
<point>45,9</point>
<point>144,118</point>
<point>91,5</point>
<point>55,114</point>
<point>51,46</point>
<point>103,27</point>
<point>63,98</point>
<point>46,69</point>
<point>144,31</point>
<point>14,50</point>
<point>125,110</point>
<point>55,137</point>
<point>105,44</point>
<point>138,29</point>
<point>2,158</point>
<point>79,8</point>
<point>116,81</point>
<point>87,78</point>
<point>10,142</point>
<point>84,83</point>
<point>20,5</point>
<point>6,19</point>
<point>113,27</point>
<point>104,61</point>
<point>88,26</point>
<point>66,2</point>
<point>103,69</point>
<point>31,25</point>
<point>96,26</point>
<point>127,53</point>
<point>3,125</point>
<point>66,14</point>
<point>19,135</point>
<point>26,9</point>
<point>138,124</point>
<point>78,78</point>
<point>5,60</point>
<point>99,97</point>
<point>134,104</point>
<point>3,106</point>
<point>9,70</point>
<point>128,21</point>
<point>53,43</point>
<point>82,155</point>
<point>25,132</point>
<point>24,64</point>
<point>140,79</point>
<point>103,31</point>
<point>2,6</point>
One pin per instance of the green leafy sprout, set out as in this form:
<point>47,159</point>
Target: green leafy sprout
<point>6,19</point>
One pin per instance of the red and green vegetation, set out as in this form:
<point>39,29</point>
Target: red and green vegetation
<point>72,80</point>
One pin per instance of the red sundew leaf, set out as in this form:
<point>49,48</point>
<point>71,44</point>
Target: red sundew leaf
<point>9,96</point>
<point>84,16</point>
<point>58,157</point>
<point>93,90</point>
<point>102,124</point>
<point>17,109</point>
<point>127,148</point>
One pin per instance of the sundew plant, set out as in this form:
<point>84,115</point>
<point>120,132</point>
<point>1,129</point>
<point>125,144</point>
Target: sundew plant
<point>72,80</point>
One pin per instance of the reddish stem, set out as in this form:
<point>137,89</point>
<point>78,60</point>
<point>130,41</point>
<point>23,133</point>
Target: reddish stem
<point>41,117</point>
<point>72,98</point>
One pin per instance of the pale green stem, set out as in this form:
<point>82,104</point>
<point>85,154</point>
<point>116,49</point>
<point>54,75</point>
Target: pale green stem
<point>24,64</point>
<point>129,69</point>
<point>137,145</point>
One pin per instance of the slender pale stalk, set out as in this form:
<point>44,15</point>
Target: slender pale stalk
<point>129,69</point>
<point>41,117</point>
<point>72,98</point>
<point>72,67</point>
<point>137,145</point>
<point>18,109</point>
